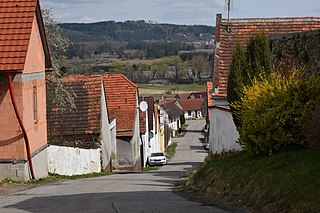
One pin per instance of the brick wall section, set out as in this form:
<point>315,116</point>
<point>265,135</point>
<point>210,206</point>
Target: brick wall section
<point>241,30</point>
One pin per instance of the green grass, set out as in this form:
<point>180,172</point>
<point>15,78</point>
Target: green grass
<point>284,182</point>
<point>168,90</point>
<point>178,87</point>
<point>51,178</point>
<point>171,150</point>
<point>183,130</point>
<point>55,177</point>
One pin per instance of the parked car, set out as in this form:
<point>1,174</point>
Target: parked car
<point>157,158</point>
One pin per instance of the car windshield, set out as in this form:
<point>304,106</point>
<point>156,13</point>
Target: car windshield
<point>157,154</point>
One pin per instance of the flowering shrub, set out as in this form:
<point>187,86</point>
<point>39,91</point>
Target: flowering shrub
<point>274,110</point>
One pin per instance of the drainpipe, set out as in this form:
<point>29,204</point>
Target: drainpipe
<point>25,135</point>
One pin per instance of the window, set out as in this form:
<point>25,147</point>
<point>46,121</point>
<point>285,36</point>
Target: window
<point>35,104</point>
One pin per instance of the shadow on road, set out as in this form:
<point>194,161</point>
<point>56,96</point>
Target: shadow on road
<point>142,201</point>
<point>193,131</point>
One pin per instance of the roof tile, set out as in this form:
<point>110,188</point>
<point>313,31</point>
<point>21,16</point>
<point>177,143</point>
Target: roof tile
<point>16,17</point>
<point>121,95</point>
<point>194,104</point>
<point>85,119</point>
<point>242,29</point>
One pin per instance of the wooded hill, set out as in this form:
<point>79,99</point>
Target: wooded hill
<point>136,31</point>
<point>151,40</point>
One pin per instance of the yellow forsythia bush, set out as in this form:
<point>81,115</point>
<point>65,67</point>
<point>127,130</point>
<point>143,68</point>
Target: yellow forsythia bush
<point>274,111</point>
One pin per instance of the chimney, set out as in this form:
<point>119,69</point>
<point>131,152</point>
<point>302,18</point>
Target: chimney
<point>218,27</point>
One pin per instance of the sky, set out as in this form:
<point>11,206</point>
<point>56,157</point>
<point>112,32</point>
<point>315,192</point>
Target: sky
<point>187,12</point>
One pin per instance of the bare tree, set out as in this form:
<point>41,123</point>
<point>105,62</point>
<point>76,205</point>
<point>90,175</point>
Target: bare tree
<point>58,96</point>
<point>200,64</point>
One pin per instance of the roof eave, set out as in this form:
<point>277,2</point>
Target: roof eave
<point>44,38</point>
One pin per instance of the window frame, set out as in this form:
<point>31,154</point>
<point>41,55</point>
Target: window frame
<point>35,104</point>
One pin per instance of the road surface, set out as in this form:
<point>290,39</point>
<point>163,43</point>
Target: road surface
<point>120,193</point>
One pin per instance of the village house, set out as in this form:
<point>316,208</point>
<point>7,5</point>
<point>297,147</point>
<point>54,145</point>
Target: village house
<point>149,124</point>
<point>193,108</point>
<point>197,95</point>
<point>182,96</point>
<point>24,58</point>
<point>223,133</point>
<point>106,117</point>
<point>123,105</point>
<point>87,128</point>
<point>170,122</point>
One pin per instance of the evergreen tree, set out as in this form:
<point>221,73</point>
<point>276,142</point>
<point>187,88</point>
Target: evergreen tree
<point>247,65</point>
<point>258,56</point>
<point>237,78</point>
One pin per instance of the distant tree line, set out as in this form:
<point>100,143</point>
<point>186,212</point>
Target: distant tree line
<point>135,31</point>
<point>171,69</point>
<point>133,39</point>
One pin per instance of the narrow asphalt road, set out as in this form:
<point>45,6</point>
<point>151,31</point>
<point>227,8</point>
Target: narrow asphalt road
<point>120,193</point>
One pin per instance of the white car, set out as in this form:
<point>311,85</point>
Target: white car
<point>157,158</point>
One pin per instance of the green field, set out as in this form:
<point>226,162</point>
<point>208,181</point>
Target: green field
<point>168,90</point>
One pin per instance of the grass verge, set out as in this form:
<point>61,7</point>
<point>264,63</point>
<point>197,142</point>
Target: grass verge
<point>183,130</point>
<point>284,182</point>
<point>55,177</point>
<point>171,149</point>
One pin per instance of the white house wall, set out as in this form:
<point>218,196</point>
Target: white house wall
<point>113,133</point>
<point>105,131</point>
<point>223,133</point>
<point>73,161</point>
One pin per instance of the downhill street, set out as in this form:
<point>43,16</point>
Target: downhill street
<point>131,192</point>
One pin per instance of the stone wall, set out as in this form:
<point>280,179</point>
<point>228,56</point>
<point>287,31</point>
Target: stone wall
<point>301,50</point>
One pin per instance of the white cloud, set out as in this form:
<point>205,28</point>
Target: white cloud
<point>87,19</point>
<point>70,3</point>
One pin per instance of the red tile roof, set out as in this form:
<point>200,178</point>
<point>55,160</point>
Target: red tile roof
<point>198,95</point>
<point>172,109</point>
<point>194,104</point>
<point>121,95</point>
<point>85,119</point>
<point>182,95</point>
<point>209,91</point>
<point>241,30</point>
<point>16,18</point>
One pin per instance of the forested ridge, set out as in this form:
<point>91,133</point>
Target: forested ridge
<point>135,31</point>
<point>134,39</point>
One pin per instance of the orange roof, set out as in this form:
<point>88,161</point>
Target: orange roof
<point>241,30</point>
<point>172,109</point>
<point>121,95</point>
<point>85,119</point>
<point>209,90</point>
<point>182,95</point>
<point>16,18</point>
<point>194,104</point>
